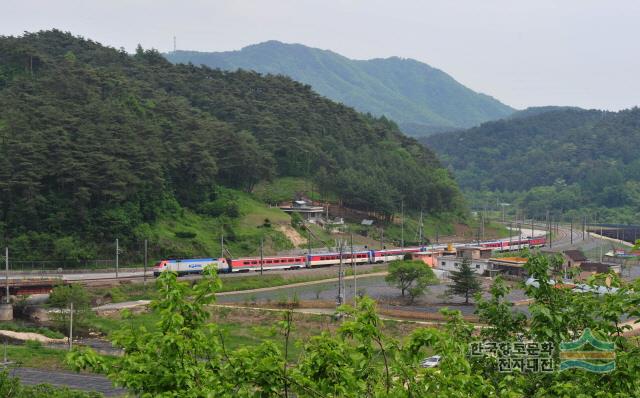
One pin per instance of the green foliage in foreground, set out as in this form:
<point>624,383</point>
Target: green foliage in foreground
<point>10,387</point>
<point>187,357</point>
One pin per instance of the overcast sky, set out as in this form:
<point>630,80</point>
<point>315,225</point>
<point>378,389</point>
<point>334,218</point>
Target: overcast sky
<point>523,52</point>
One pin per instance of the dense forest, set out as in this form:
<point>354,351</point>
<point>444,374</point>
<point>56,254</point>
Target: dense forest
<point>564,159</point>
<point>422,99</point>
<point>96,142</point>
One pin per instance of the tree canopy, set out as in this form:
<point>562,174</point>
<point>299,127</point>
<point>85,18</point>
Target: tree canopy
<point>95,142</point>
<point>465,281</point>
<point>551,159</point>
<point>411,276</point>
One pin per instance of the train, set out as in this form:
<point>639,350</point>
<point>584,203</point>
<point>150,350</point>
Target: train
<point>314,260</point>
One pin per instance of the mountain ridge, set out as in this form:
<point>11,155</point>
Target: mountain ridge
<point>420,98</point>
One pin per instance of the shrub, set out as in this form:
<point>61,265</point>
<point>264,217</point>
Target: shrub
<point>33,344</point>
<point>296,220</point>
<point>222,206</point>
<point>61,297</point>
<point>185,234</point>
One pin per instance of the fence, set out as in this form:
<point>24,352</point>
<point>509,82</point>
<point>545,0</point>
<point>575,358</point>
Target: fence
<point>49,266</point>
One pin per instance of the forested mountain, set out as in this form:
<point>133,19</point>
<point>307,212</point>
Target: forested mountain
<point>562,159</point>
<point>96,142</point>
<point>422,99</point>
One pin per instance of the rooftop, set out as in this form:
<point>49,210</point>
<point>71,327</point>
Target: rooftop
<point>575,255</point>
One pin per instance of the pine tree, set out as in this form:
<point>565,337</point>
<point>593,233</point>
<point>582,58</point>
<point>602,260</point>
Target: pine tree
<point>465,281</point>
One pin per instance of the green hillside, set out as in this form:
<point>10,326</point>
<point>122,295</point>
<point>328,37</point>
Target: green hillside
<point>565,159</point>
<point>98,144</point>
<point>422,99</point>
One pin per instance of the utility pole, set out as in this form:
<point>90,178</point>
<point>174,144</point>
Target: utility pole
<point>117,257</point>
<point>174,44</point>
<point>71,327</point>
<point>6,263</point>
<point>261,254</point>
<point>221,244</point>
<point>146,248</point>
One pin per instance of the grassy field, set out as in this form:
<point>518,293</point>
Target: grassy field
<point>17,326</point>
<point>242,234</point>
<point>240,327</point>
<point>136,291</point>
<point>36,356</point>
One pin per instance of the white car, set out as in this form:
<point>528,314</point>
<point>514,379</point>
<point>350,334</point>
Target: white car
<point>430,362</point>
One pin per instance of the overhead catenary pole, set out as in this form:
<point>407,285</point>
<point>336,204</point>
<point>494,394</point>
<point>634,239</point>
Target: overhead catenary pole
<point>146,259</point>
<point>549,230</point>
<point>421,229</point>
<point>519,224</point>
<point>402,224</point>
<point>571,231</point>
<point>221,243</point>
<point>339,299</point>
<point>261,254</point>
<point>532,232</point>
<point>482,222</point>
<point>510,236</point>
<point>353,265</point>
<point>117,257</point>
<point>71,326</point>
<point>6,263</point>
<point>601,242</point>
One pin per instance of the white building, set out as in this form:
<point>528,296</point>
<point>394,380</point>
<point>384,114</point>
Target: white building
<point>479,258</point>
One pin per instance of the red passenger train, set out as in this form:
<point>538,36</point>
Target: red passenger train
<point>246,264</point>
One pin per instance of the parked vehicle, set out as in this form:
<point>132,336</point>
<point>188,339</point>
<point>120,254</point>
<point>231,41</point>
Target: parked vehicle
<point>431,362</point>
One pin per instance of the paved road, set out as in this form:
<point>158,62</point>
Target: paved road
<point>74,381</point>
